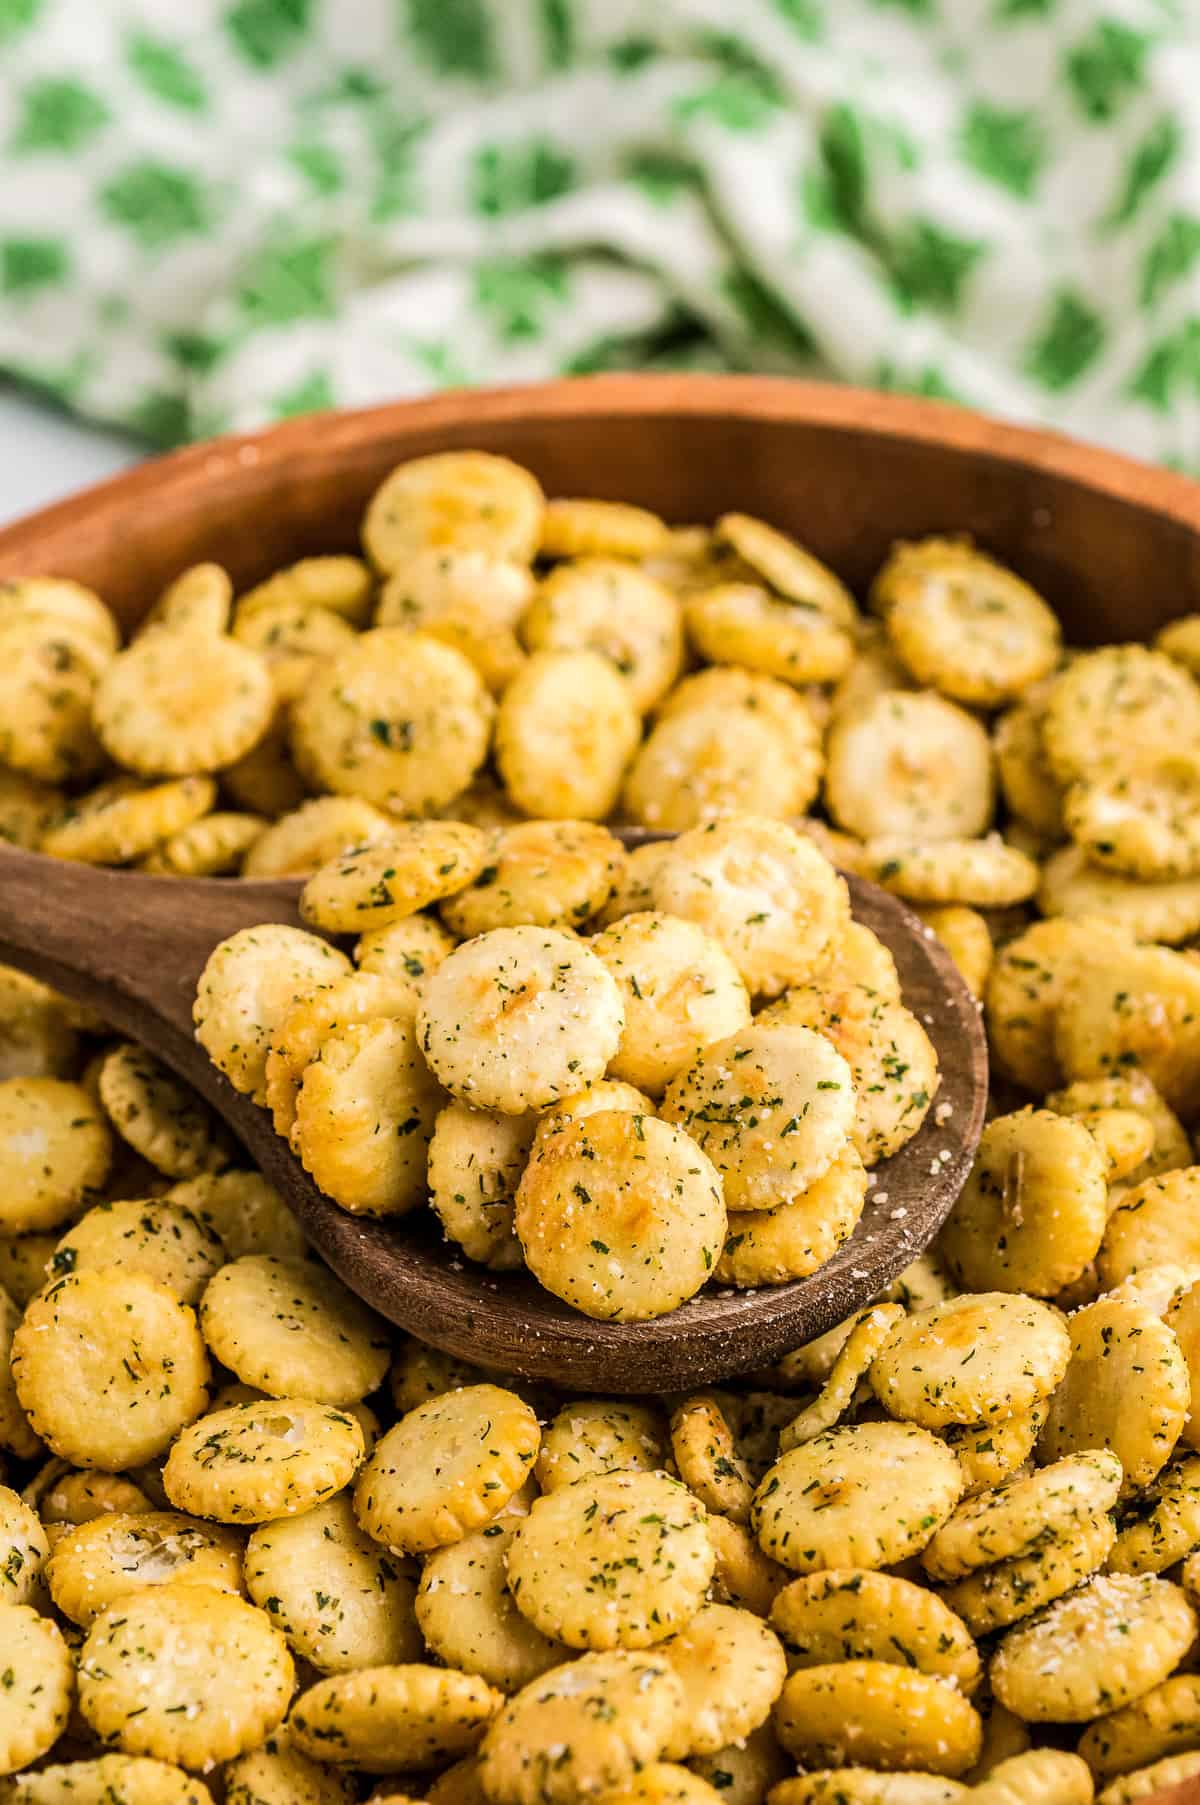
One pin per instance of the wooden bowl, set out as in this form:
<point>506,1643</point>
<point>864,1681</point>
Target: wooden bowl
<point>1113,544</point>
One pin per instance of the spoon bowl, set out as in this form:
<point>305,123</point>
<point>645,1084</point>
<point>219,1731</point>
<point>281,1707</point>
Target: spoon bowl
<point>133,946</point>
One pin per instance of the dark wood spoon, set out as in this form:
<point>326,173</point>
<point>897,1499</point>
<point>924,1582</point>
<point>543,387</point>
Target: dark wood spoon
<point>133,946</point>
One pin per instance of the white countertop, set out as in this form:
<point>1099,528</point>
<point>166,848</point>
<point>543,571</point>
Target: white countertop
<point>45,454</point>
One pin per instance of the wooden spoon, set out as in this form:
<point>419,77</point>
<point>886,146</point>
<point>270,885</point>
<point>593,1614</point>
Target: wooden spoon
<point>133,946</point>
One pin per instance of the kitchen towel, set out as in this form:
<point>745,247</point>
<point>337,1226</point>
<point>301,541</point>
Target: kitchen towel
<point>218,212</point>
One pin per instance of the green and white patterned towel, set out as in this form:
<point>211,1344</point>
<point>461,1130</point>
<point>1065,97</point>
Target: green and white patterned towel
<point>213,212</point>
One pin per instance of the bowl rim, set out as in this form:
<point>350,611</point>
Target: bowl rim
<point>743,399</point>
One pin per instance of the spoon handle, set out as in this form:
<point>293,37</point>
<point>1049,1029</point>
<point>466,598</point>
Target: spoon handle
<point>130,945</point>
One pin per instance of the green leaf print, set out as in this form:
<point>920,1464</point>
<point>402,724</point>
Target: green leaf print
<point>931,265</point>
<point>661,175</point>
<point>920,9</point>
<point>739,101</point>
<point>528,172</point>
<point>1004,145</point>
<point>1170,256</point>
<point>844,147</point>
<point>1008,10</point>
<point>157,203</point>
<point>1106,68</point>
<point>318,164</point>
<point>817,199</point>
<point>289,282</point>
<point>1071,340</point>
<point>351,85</point>
<point>1171,364</point>
<point>453,37</point>
<point>558,31</point>
<point>161,417</point>
<point>440,362</point>
<point>29,264</point>
<point>17,16</point>
<point>737,57</point>
<point>929,380</point>
<point>165,72</point>
<point>852,143</point>
<point>517,294</point>
<point>394,143</point>
<point>806,18</point>
<point>610,351</point>
<point>763,316</point>
<point>58,115</point>
<point>66,381</point>
<point>311,395</point>
<point>197,351</point>
<point>628,55</point>
<point>265,32</point>
<point>1149,161</point>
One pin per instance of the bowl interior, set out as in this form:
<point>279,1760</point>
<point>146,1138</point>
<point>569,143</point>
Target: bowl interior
<point>1114,545</point>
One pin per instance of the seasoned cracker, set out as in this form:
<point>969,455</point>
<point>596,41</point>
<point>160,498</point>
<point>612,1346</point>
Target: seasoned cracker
<point>23,1549</point>
<point>909,764</point>
<point>56,1151</point>
<point>773,1106</point>
<point>1023,1514</point>
<point>38,1684</point>
<point>879,1714</point>
<point>454,501</point>
<point>743,623</point>
<point>471,600</point>
<point>177,702</point>
<point>476,1159</point>
<point>340,1599</point>
<point>706,1454</point>
<point>447,1467</point>
<point>397,719</point>
<point>138,1369</point>
<point>762,891</point>
<point>468,1616</point>
<point>291,1329</point>
<point>379,1719</point>
<point>829,1504</point>
<point>1110,700</point>
<point>619,1560</point>
<point>1126,1389</point>
<point>974,1359</point>
<point>566,728</point>
<point>964,624</point>
<point>994,1597</point>
<point>581,1730</point>
<point>254,1462</point>
<point>855,1614</point>
<point>518,1018</point>
<point>159,1115</point>
<point>591,1436</point>
<point>732,1669</point>
<point>365,1112</point>
<point>621,1215</point>
<point>148,1234</point>
<point>1032,1213</point>
<point>549,874</point>
<point>309,834</point>
<point>184,1673</point>
<point>609,606</point>
<point>97,1563</point>
<point>246,990</point>
<point>1120,1635</point>
<point>771,1247</point>
<point>373,886</point>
